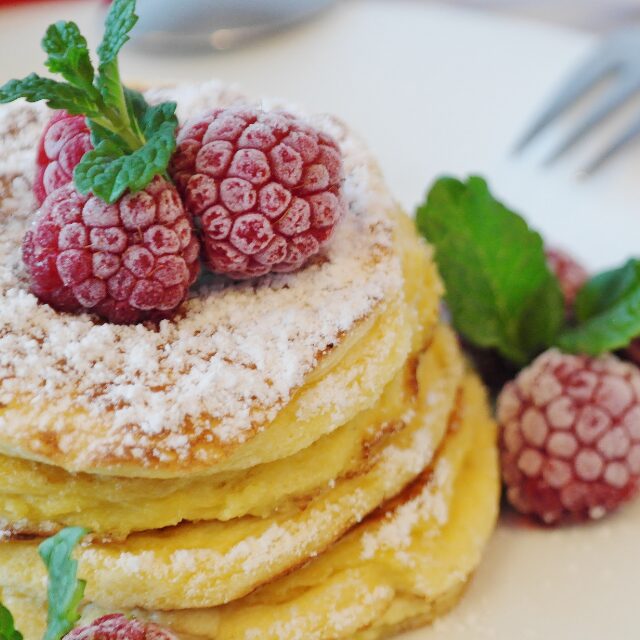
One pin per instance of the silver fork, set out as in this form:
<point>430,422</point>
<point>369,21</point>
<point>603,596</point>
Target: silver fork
<point>618,57</point>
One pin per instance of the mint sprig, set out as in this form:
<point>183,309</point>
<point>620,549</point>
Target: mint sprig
<point>133,141</point>
<point>607,312</point>
<point>65,591</point>
<point>58,95</point>
<point>68,55</point>
<point>606,289</point>
<point>499,289</point>
<point>7,626</point>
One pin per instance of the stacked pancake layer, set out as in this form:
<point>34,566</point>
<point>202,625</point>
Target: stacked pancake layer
<point>331,472</point>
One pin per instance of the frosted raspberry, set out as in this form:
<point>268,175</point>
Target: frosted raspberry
<point>117,627</point>
<point>571,274</point>
<point>64,141</point>
<point>632,352</point>
<point>570,436</point>
<point>264,186</point>
<point>127,262</point>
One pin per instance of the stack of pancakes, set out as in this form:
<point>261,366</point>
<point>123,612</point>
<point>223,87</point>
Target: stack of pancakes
<point>304,456</point>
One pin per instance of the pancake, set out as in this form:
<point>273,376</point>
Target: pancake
<point>401,567</point>
<point>209,562</point>
<point>301,456</point>
<point>138,401</point>
<point>39,499</point>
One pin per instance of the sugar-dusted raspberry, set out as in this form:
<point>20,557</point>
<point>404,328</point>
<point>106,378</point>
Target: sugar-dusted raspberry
<point>118,627</point>
<point>632,352</point>
<point>64,141</point>
<point>264,186</point>
<point>127,262</point>
<point>570,436</point>
<point>571,274</point>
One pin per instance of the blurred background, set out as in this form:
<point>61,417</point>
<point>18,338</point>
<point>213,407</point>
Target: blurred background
<point>591,15</point>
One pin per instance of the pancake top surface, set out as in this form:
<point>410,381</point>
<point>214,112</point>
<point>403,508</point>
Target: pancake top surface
<point>235,355</point>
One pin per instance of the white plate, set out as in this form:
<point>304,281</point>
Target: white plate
<point>441,91</point>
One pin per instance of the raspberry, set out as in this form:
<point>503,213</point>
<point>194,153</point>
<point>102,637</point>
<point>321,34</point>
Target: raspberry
<point>264,186</point>
<point>571,274</point>
<point>64,141</point>
<point>117,627</point>
<point>570,436</point>
<point>632,352</point>
<point>129,261</point>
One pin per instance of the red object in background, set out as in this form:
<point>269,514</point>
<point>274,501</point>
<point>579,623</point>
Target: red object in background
<point>8,3</point>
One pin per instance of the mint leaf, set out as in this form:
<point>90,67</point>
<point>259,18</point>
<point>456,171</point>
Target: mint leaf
<point>136,103</point>
<point>120,20</point>
<point>608,312</point>
<point>500,291</point>
<point>604,290</point>
<point>138,109</point>
<point>58,95</point>
<point>100,134</point>
<point>160,118</point>
<point>65,591</point>
<point>68,55</point>
<point>133,142</point>
<point>7,626</point>
<point>108,172</point>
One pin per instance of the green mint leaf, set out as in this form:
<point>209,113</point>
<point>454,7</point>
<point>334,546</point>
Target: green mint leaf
<point>58,95</point>
<point>500,291</point>
<point>7,625</point>
<point>120,20</point>
<point>159,118</point>
<point>101,134</point>
<point>68,55</point>
<point>108,172</point>
<point>137,105</point>
<point>602,291</point>
<point>65,591</point>
<point>608,312</point>
<point>110,87</point>
<point>132,141</point>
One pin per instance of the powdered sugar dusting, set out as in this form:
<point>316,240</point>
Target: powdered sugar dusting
<point>430,503</point>
<point>238,351</point>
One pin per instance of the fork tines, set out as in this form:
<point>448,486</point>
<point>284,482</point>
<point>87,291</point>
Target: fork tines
<point>618,57</point>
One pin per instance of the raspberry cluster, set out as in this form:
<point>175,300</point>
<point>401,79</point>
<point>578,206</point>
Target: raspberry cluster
<point>265,188</point>
<point>115,626</point>
<point>127,262</point>
<point>64,141</point>
<point>570,436</point>
<point>570,273</point>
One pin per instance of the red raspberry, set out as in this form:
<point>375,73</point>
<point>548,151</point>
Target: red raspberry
<point>264,186</point>
<point>632,352</point>
<point>117,627</point>
<point>127,262</point>
<point>571,274</point>
<point>64,141</point>
<point>570,437</point>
